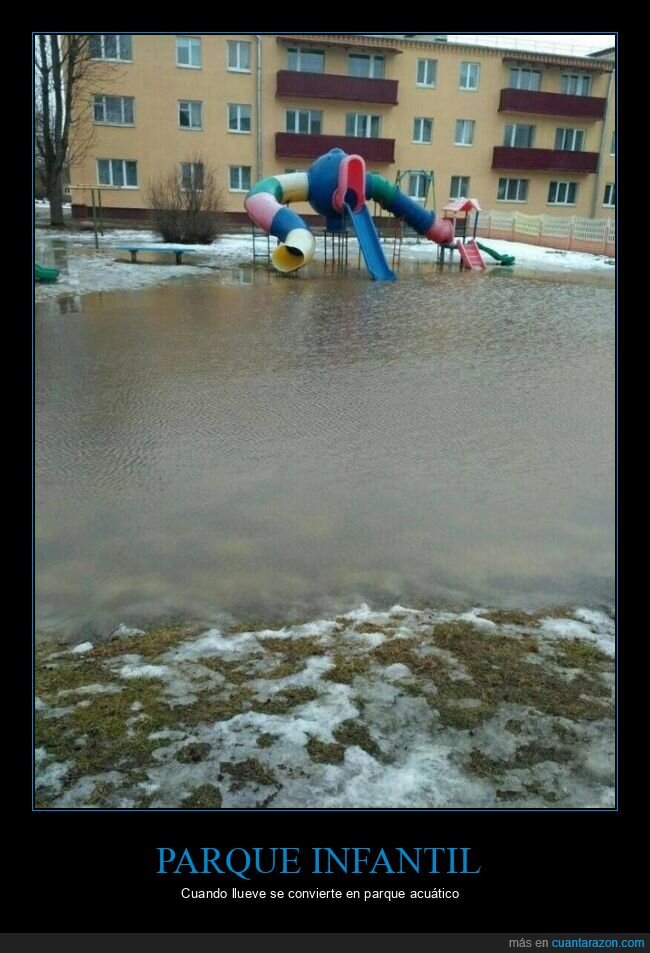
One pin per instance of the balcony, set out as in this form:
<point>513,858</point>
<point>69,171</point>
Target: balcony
<point>552,104</point>
<point>544,160</point>
<point>330,86</point>
<point>299,145</point>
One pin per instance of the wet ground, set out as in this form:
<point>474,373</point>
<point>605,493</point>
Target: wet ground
<point>235,443</point>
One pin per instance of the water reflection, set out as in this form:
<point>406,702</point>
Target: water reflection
<point>274,446</point>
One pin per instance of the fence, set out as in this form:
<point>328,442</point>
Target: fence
<point>597,236</point>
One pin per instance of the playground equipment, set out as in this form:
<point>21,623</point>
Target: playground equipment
<point>337,186</point>
<point>45,274</point>
<point>502,259</point>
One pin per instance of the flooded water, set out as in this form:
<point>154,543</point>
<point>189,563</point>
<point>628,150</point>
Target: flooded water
<point>276,448</point>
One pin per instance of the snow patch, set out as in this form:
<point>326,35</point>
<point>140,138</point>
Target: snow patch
<point>81,648</point>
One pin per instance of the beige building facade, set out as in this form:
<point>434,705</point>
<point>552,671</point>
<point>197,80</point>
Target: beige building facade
<point>519,131</point>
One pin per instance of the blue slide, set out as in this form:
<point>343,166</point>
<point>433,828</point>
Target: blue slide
<point>369,244</point>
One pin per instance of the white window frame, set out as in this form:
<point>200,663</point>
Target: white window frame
<point>373,60</point>
<point>466,65</point>
<point>301,51</point>
<point>369,117</point>
<point>111,184</point>
<point>569,135</point>
<point>418,134</point>
<point>237,46</point>
<point>525,72</point>
<point>111,122</point>
<point>576,80</point>
<point>507,180</point>
<point>239,116</point>
<point>190,103</point>
<point>462,192</point>
<point>612,145</point>
<point>193,43</point>
<point>429,66</point>
<point>610,190</point>
<point>240,168</point>
<point>417,183</point>
<point>511,131</point>
<point>192,166</point>
<point>118,45</point>
<point>467,123</point>
<point>562,185</point>
<point>313,116</point>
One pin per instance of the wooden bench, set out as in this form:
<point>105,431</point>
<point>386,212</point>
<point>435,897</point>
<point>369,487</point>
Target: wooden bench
<point>178,250</point>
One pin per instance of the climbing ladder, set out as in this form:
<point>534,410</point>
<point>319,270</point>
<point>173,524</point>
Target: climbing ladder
<point>263,238</point>
<point>470,256</point>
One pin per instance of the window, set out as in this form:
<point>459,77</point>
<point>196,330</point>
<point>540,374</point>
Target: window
<point>239,56</point>
<point>115,110</point>
<point>464,135</point>
<point>359,124</point>
<point>111,46</point>
<point>569,140</point>
<point>521,77</point>
<point>422,129</point>
<point>512,190</point>
<point>303,59</point>
<point>188,52</point>
<point>362,64</point>
<point>427,73</point>
<point>192,176</point>
<point>117,172</point>
<point>576,84</point>
<point>609,198</point>
<point>308,121</point>
<point>240,178</point>
<point>239,117</point>
<point>612,148</point>
<point>418,185</point>
<point>519,136</point>
<point>469,76</point>
<point>459,187</point>
<point>190,115</point>
<point>562,193</point>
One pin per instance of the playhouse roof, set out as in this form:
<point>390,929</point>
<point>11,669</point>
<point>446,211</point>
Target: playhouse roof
<point>462,205</point>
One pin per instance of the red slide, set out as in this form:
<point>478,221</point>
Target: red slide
<point>471,256</point>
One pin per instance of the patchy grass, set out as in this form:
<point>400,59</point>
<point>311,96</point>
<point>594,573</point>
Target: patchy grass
<point>203,797</point>
<point>193,752</point>
<point>266,739</point>
<point>523,618</point>
<point>354,732</point>
<point>576,653</point>
<point>294,649</point>
<point>347,668</point>
<point>284,701</point>
<point>501,674</point>
<point>527,756</point>
<point>324,753</point>
<point>250,771</point>
<point>465,685</point>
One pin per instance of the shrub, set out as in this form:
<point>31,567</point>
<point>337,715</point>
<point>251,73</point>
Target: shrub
<point>187,203</point>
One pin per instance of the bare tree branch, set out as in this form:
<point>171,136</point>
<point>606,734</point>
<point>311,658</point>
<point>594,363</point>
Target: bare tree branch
<point>66,76</point>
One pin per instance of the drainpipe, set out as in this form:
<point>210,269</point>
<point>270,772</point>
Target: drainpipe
<point>594,201</point>
<point>258,37</point>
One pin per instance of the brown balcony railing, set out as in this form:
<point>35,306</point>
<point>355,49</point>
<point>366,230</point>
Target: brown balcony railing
<point>551,104</point>
<point>550,160</point>
<point>332,86</point>
<point>303,146</point>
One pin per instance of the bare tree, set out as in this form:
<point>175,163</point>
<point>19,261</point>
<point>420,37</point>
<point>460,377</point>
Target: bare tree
<point>186,203</point>
<point>65,73</point>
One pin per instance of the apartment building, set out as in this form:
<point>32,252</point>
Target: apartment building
<point>520,131</point>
